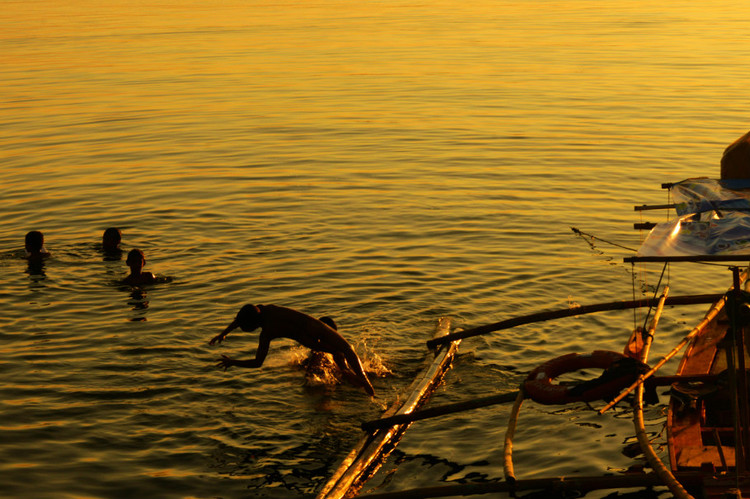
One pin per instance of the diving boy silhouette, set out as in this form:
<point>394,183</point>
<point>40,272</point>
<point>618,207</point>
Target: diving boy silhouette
<point>281,322</point>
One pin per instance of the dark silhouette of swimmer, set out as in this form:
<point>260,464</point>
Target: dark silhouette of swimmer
<point>111,240</point>
<point>281,322</point>
<point>35,251</point>
<point>136,261</point>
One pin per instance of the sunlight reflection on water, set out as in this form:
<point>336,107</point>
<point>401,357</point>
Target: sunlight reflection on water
<point>384,164</point>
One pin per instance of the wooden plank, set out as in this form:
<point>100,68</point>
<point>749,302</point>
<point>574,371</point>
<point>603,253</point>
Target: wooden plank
<point>375,445</point>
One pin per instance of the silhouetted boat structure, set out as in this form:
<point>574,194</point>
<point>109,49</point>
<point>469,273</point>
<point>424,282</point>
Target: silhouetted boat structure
<point>708,423</point>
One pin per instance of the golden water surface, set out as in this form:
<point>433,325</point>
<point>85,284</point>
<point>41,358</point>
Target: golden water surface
<point>382,162</point>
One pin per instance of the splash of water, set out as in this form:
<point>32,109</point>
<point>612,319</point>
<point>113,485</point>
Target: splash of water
<point>321,369</point>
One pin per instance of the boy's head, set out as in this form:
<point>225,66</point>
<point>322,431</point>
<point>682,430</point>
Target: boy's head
<point>34,241</point>
<point>248,318</point>
<point>328,322</point>
<point>135,258</point>
<point>111,238</point>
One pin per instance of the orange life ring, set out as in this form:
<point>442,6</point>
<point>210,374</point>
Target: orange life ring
<point>538,385</point>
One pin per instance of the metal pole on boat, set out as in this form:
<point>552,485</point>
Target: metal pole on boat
<point>738,377</point>
<point>743,382</point>
<point>729,346</point>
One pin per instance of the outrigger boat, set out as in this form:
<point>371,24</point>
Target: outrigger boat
<point>708,423</point>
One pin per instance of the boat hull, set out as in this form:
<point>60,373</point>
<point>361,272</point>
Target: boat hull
<point>700,426</point>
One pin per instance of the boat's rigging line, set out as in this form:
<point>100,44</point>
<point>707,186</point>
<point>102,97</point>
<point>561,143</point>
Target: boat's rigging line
<point>719,305</point>
<point>656,290</point>
<point>585,234</point>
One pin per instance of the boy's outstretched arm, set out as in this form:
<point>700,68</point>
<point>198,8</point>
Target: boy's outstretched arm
<point>260,356</point>
<point>220,337</point>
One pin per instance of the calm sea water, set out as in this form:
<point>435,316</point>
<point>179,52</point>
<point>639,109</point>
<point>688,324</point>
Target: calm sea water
<point>382,162</point>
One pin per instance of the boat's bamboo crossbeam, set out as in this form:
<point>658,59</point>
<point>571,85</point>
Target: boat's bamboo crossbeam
<point>647,207</point>
<point>557,484</point>
<point>571,312</point>
<point>502,398</point>
<point>743,258</point>
<point>441,410</point>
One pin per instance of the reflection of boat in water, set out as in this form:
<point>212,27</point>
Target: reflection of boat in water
<point>708,423</point>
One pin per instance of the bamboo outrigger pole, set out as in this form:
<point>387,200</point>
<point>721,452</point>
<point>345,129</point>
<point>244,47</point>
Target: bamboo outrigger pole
<point>510,474</point>
<point>502,398</point>
<point>440,410</point>
<point>570,312</point>
<point>562,483</point>
<point>640,429</point>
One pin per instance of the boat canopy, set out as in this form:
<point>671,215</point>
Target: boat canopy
<point>712,224</point>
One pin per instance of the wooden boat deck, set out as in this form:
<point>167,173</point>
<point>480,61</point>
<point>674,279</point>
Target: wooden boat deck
<point>701,430</point>
<point>684,423</point>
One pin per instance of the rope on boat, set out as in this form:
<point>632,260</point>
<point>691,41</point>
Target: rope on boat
<point>712,313</point>
<point>656,290</point>
<point>510,475</point>
<point>718,306</point>
<point>640,428</point>
<point>584,234</point>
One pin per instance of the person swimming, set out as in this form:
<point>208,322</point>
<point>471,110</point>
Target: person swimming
<point>111,240</point>
<point>136,261</point>
<point>34,245</point>
<point>281,322</point>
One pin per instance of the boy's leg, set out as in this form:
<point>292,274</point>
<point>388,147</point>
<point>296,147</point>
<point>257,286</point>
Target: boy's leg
<point>341,361</point>
<point>346,371</point>
<point>355,365</point>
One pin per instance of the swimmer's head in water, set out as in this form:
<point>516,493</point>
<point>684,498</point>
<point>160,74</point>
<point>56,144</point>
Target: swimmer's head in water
<point>248,318</point>
<point>34,241</point>
<point>135,258</point>
<point>111,238</point>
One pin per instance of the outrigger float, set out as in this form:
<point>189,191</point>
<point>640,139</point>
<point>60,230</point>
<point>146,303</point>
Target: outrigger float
<point>708,421</point>
<point>378,442</point>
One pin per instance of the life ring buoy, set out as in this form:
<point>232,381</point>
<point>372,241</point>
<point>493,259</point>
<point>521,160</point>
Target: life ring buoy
<point>539,387</point>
